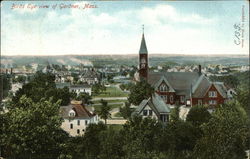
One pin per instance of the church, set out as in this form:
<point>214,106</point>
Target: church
<point>177,88</point>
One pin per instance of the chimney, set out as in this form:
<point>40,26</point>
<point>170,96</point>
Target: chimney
<point>199,70</point>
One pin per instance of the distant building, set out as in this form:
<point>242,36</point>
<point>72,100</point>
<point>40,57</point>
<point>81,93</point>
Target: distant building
<point>81,88</point>
<point>90,76</point>
<point>76,118</point>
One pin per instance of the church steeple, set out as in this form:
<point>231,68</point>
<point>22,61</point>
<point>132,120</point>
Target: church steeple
<point>143,58</point>
<point>143,48</point>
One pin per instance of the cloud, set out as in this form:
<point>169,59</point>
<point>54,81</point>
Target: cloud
<point>90,31</point>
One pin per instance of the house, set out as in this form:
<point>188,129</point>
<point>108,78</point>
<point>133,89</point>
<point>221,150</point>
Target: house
<point>15,87</point>
<point>154,107</point>
<point>231,92</point>
<point>90,76</point>
<point>181,88</point>
<point>81,88</point>
<point>76,118</point>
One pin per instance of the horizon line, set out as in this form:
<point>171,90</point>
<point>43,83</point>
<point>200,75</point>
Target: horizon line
<point>133,54</point>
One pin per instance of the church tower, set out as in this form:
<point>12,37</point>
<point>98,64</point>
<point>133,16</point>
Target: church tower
<point>143,59</point>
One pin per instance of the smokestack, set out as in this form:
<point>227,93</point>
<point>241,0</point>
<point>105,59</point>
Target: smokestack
<point>199,69</point>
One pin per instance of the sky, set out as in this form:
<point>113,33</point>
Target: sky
<point>115,27</point>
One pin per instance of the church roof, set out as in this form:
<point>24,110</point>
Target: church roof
<point>143,48</point>
<point>178,80</point>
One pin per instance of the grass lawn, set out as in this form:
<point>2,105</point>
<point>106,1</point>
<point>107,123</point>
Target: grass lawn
<point>112,106</point>
<point>118,114</point>
<point>112,92</point>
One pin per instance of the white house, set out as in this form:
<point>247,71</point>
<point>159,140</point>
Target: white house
<point>76,118</point>
<point>82,88</point>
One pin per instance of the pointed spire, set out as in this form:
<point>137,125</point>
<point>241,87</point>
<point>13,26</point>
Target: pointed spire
<point>143,48</point>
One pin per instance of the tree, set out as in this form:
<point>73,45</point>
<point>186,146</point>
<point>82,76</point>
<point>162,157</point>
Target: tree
<point>110,144</point>
<point>198,115</point>
<point>142,90</point>
<point>96,88</point>
<point>85,98</point>
<point>126,111</point>
<point>183,137</point>
<point>35,129</point>
<point>43,86</point>
<point>139,137</point>
<point>174,115</point>
<point>5,85</point>
<point>104,111</point>
<point>92,141</point>
<point>225,134</point>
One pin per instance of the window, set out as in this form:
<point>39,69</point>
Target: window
<point>168,118</point>
<point>145,112</point>
<point>150,112</point>
<point>212,102</point>
<point>71,126</point>
<point>86,122</point>
<point>78,122</point>
<point>163,118</point>
<point>72,113</point>
<point>78,131</point>
<point>182,99</point>
<point>212,94</point>
<point>164,97</point>
<point>171,99</point>
<point>163,88</point>
<point>199,102</point>
<point>188,102</point>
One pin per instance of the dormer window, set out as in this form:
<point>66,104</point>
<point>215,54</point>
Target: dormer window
<point>163,88</point>
<point>72,113</point>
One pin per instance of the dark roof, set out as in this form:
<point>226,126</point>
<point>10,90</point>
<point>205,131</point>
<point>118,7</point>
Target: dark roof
<point>90,74</point>
<point>62,85</point>
<point>143,48</point>
<point>221,88</point>
<point>201,87</point>
<point>179,81</point>
<point>80,86</point>
<point>80,110</point>
<point>155,103</point>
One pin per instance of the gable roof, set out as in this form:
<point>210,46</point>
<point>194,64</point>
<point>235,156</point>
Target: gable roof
<point>80,110</point>
<point>221,89</point>
<point>90,74</point>
<point>143,47</point>
<point>200,88</point>
<point>157,84</point>
<point>155,103</point>
<point>178,80</point>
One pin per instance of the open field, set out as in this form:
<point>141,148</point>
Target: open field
<point>112,92</point>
